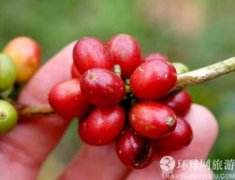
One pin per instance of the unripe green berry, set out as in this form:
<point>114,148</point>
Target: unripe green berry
<point>7,72</point>
<point>8,117</point>
<point>180,67</point>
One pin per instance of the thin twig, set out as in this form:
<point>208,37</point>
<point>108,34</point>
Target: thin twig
<point>205,73</point>
<point>36,110</point>
<point>183,80</point>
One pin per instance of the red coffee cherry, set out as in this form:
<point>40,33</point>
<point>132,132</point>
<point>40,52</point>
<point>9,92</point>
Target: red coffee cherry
<point>134,150</point>
<point>178,139</point>
<point>153,80</point>
<point>126,53</point>
<point>102,126</point>
<point>156,56</point>
<point>74,72</point>
<point>152,120</point>
<point>102,87</point>
<point>180,103</point>
<point>67,100</point>
<point>91,53</point>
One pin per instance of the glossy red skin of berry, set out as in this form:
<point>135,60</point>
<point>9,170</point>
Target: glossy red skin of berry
<point>67,99</point>
<point>126,53</point>
<point>74,72</point>
<point>180,103</point>
<point>178,139</point>
<point>152,120</point>
<point>102,87</point>
<point>91,53</point>
<point>156,56</point>
<point>152,80</point>
<point>102,126</point>
<point>134,150</point>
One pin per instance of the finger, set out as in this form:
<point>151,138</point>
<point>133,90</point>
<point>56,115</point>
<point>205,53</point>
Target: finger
<point>205,130</point>
<point>95,163</point>
<point>198,172</point>
<point>23,150</point>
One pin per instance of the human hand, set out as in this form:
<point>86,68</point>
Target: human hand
<point>23,150</point>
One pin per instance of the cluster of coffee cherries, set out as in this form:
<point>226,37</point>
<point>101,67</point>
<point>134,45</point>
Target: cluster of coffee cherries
<point>19,60</point>
<point>121,97</point>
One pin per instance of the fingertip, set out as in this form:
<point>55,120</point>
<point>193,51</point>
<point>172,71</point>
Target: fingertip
<point>197,172</point>
<point>95,162</point>
<point>205,131</point>
<point>202,120</point>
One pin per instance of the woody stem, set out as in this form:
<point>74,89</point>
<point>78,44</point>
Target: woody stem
<point>183,80</point>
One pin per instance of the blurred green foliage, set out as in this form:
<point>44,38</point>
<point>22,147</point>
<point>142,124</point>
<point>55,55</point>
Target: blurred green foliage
<point>56,23</point>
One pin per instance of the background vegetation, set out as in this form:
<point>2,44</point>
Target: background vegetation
<point>194,32</point>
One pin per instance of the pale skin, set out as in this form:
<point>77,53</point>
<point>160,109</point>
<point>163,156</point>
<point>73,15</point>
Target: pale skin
<point>23,150</point>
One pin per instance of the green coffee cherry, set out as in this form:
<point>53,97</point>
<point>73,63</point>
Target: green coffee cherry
<point>7,72</point>
<point>8,117</point>
<point>180,67</point>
